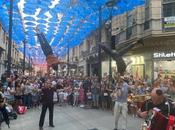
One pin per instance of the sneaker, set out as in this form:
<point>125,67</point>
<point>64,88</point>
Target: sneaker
<point>40,128</point>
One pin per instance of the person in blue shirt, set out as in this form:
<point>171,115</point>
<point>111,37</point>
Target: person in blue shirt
<point>120,108</point>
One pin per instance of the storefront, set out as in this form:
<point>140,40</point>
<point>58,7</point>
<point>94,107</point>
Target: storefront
<point>152,64</point>
<point>92,65</point>
<point>81,68</point>
<point>164,64</point>
<point>140,63</point>
<point>105,67</point>
<point>136,66</point>
<point>81,71</point>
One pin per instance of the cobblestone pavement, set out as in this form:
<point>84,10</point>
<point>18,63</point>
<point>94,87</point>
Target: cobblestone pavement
<point>71,118</point>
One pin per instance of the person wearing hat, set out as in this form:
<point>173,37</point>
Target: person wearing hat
<point>120,108</point>
<point>47,102</point>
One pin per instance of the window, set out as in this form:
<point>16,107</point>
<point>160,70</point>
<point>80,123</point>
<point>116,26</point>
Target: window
<point>5,39</point>
<point>169,9</point>
<point>147,16</point>
<point>130,20</point>
<point>146,25</point>
<point>147,3</point>
<point>73,51</point>
<point>169,16</point>
<point>128,32</point>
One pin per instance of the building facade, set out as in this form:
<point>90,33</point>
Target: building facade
<point>17,56</point>
<point>151,28</point>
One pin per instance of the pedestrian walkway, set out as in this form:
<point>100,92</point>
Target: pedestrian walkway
<point>70,118</point>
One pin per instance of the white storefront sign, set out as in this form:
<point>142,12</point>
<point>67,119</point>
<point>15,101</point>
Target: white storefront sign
<point>169,22</point>
<point>164,55</point>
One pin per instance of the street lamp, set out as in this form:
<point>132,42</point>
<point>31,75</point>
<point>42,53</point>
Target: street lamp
<point>10,39</point>
<point>99,48</point>
<point>24,56</point>
<point>110,5</point>
<point>68,60</point>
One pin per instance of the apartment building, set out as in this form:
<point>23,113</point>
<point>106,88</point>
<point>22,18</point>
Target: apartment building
<point>16,54</point>
<point>151,28</point>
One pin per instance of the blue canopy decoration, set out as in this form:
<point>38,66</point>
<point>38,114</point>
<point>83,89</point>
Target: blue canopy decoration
<point>63,22</point>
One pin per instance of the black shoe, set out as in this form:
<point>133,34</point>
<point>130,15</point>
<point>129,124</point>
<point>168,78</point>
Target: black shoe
<point>115,129</point>
<point>40,128</point>
<point>51,125</point>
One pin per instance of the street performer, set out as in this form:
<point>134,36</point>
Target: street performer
<point>164,108</point>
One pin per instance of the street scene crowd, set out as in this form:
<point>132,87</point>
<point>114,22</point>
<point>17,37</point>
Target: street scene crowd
<point>85,92</point>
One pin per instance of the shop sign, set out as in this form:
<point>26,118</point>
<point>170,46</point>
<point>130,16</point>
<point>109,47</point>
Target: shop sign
<point>164,55</point>
<point>169,22</point>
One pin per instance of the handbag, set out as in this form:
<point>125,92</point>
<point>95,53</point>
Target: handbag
<point>22,109</point>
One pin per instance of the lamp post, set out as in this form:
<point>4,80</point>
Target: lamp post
<point>68,60</point>
<point>10,39</point>
<point>99,48</point>
<point>24,56</point>
<point>110,4</point>
<point>29,66</point>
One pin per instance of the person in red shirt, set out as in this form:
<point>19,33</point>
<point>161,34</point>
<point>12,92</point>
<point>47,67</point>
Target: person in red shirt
<point>159,102</point>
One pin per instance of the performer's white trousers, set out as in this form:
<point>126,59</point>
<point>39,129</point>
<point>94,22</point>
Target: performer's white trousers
<point>120,111</point>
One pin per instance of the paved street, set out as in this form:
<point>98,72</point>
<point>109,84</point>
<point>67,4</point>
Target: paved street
<point>68,118</point>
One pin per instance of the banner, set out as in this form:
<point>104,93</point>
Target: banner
<point>169,22</point>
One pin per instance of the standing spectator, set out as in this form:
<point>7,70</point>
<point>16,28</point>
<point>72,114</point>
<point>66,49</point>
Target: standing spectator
<point>86,85</point>
<point>171,89</point>
<point>120,107</point>
<point>147,80</point>
<point>76,95</point>
<point>81,96</point>
<point>27,94</point>
<point>47,102</point>
<point>18,94</point>
<point>61,97</point>
<point>95,93</point>
<point>104,97</point>
<point>89,97</point>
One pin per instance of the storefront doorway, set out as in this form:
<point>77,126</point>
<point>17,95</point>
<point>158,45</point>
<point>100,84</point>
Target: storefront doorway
<point>164,68</point>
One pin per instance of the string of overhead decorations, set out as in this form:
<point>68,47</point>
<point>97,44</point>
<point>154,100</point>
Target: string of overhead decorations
<point>62,22</point>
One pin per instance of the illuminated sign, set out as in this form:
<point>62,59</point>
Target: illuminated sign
<point>164,55</point>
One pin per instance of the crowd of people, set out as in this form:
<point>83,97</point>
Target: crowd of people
<point>86,92</point>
